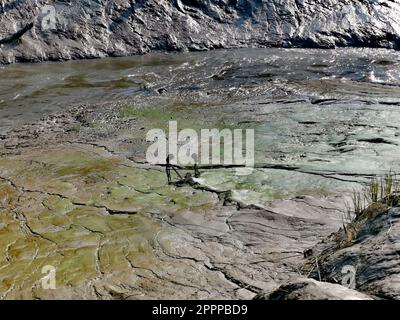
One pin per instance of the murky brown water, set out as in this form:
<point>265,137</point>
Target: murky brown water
<point>29,91</point>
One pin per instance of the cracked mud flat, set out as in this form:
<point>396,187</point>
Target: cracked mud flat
<point>77,193</point>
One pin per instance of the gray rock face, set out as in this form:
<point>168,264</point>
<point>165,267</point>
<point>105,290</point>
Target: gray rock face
<point>369,257</point>
<point>90,29</point>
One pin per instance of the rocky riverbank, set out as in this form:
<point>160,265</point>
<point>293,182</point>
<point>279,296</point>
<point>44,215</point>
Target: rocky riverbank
<point>77,194</point>
<point>62,30</point>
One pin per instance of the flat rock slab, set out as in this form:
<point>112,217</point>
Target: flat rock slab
<point>113,230</point>
<point>308,289</point>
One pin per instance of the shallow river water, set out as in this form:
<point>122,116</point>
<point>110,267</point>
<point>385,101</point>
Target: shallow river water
<point>332,116</point>
<point>29,91</point>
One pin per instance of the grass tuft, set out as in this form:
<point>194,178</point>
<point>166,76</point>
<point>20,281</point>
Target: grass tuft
<point>385,190</point>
